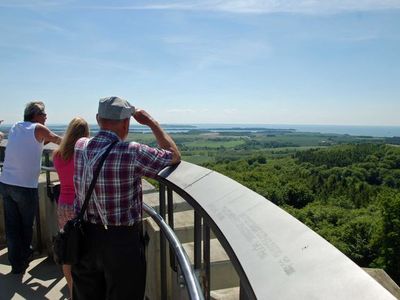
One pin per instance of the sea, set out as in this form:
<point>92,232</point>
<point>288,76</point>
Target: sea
<point>371,131</point>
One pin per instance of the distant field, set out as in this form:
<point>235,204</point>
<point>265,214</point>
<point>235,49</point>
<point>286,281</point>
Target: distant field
<point>208,147</point>
<point>198,159</point>
<point>310,139</point>
<point>145,138</point>
<point>296,139</point>
<point>210,143</point>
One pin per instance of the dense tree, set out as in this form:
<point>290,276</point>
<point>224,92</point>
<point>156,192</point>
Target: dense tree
<point>390,210</point>
<point>349,194</point>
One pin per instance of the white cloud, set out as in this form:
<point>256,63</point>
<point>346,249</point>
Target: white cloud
<point>232,6</point>
<point>260,6</point>
<point>304,6</point>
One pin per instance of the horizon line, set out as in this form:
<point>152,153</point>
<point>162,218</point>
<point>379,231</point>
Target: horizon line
<point>230,124</point>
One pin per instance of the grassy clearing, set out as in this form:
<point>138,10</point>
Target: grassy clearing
<point>198,159</point>
<point>211,143</point>
<point>202,147</point>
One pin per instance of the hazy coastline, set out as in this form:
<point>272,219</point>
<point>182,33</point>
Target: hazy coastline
<point>354,130</point>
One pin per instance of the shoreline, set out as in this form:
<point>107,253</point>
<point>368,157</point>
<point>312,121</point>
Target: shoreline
<point>353,130</point>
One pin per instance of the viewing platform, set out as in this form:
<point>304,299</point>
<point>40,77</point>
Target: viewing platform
<point>238,244</point>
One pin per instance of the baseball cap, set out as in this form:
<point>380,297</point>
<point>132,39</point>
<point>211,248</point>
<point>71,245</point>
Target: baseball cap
<point>115,108</point>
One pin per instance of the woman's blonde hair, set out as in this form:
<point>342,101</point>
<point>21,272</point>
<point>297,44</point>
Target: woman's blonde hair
<point>77,128</point>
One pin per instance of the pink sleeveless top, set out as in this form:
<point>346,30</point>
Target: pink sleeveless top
<point>65,170</point>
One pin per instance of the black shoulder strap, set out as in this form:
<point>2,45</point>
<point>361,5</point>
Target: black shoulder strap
<point>93,183</point>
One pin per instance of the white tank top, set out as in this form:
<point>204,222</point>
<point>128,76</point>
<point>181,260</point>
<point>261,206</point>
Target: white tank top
<point>23,156</point>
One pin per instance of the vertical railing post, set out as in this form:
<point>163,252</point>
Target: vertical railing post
<point>170,208</point>
<point>38,225</point>
<point>242,293</point>
<point>163,254</point>
<point>206,254</point>
<point>197,246</point>
<point>48,180</point>
<point>197,241</point>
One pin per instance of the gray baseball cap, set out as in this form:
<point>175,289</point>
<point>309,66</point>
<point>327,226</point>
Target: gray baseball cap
<point>115,108</point>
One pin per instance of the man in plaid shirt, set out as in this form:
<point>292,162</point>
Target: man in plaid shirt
<point>113,264</point>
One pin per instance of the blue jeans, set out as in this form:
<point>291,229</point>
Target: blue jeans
<point>20,205</point>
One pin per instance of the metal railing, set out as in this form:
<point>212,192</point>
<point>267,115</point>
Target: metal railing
<point>274,255</point>
<point>187,276</point>
<point>203,223</point>
<point>192,284</point>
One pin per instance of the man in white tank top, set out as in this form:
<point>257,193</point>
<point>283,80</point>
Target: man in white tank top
<point>19,181</point>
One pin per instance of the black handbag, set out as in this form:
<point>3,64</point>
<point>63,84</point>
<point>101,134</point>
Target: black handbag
<point>67,243</point>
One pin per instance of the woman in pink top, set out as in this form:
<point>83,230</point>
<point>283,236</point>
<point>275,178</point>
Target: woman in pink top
<point>63,159</point>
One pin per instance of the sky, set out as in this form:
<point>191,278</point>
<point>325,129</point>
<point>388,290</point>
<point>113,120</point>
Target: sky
<point>210,61</point>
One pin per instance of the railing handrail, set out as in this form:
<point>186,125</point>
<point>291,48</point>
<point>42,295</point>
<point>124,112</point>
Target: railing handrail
<point>192,283</point>
<point>301,264</point>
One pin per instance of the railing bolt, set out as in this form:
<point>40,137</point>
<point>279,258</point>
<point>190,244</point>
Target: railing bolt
<point>181,281</point>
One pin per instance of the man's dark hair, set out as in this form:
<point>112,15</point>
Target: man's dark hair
<point>32,109</point>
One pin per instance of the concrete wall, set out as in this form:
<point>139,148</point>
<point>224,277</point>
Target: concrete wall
<point>153,278</point>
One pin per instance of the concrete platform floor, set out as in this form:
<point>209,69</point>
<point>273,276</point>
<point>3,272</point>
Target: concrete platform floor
<point>42,280</point>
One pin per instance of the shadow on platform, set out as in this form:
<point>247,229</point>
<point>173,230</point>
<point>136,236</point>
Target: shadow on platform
<point>42,280</point>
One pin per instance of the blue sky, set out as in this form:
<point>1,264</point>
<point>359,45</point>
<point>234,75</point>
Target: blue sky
<point>260,62</point>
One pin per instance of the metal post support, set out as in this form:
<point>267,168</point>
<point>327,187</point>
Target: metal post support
<point>39,246</point>
<point>242,293</point>
<point>206,256</point>
<point>163,250</point>
<point>197,241</point>
<point>170,208</point>
<point>185,273</point>
<point>47,164</point>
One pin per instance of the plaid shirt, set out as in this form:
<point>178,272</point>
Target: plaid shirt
<point>117,196</point>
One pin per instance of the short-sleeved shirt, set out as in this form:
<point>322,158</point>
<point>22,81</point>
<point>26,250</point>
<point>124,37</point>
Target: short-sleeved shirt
<point>117,196</point>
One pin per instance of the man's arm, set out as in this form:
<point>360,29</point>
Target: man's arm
<point>43,134</point>
<point>163,139</point>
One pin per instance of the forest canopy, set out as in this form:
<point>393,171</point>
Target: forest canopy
<point>349,194</point>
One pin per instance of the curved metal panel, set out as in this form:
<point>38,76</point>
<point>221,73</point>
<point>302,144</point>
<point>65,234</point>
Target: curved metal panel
<point>281,257</point>
<point>186,175</point>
